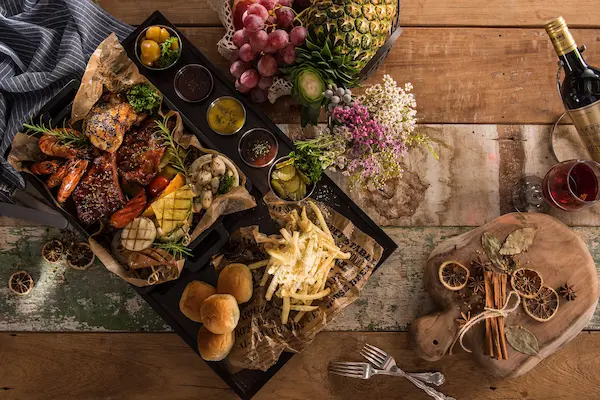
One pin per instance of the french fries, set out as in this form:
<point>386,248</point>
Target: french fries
<point>299,262</point>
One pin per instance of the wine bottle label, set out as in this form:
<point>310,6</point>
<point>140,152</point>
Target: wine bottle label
<point>587,121</point>
<point>560,36</point>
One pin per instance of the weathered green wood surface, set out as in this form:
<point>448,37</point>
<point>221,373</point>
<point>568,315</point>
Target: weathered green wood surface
<point>96,300</point>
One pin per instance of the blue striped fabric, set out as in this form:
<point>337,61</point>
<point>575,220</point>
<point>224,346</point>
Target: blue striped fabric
<point>43,45</point>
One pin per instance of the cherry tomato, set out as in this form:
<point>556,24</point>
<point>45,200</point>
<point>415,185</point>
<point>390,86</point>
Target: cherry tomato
<point>150,50</point>
<point>153,33</point>
<point>164,35</point>
<point>157,185</point>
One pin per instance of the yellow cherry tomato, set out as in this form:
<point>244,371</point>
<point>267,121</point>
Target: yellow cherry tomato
<point>164,35</point>
<point>150,50</point>
<point>153,33</point>
<point>146,62</point>
<point>174,44</point>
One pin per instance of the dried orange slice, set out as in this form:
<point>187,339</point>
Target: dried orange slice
<point>80,256</point>
<point>543,306</point>
<point>453,275</point>
<point>53,251</point>
<point>526,282</point>
<point>20,283</point>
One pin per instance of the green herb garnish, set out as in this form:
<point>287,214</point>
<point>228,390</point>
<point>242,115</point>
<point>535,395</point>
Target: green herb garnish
<point>225,184</point>
<point>64,135</point>
<point>175,150</point>
<point>176,248</point>
<point>308,163</point>
<point>167,56</point>
<point>143,97</point>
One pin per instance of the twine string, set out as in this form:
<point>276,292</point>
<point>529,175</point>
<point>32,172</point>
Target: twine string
<point>487,313</point>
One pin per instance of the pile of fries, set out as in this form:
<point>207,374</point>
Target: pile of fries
<point>299,262</point>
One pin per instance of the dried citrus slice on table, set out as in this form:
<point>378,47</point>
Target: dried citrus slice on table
<point>20,283</point>
<point>453,275</point>
<point>53,251</point>
<point>526,282</point>
<point>543,306</point>
<point>80,256</point>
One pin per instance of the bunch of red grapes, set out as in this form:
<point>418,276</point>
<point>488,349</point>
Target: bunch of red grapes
<point>267,40</point>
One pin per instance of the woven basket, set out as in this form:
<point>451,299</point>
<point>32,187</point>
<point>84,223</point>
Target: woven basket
<point>379,57</point>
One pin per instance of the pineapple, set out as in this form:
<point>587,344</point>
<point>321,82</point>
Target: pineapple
<point>343,35</point>
<point>358,28</point>
<point>173,210</point>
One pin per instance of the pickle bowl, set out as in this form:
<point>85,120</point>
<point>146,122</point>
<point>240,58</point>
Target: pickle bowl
<point>279,185</point>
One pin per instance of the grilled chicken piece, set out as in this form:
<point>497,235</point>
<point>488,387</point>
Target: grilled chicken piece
<point>139,156</point>
<point>108,121</point>
<point>70,181</point>
<point>98,194</point>
<point>45,167</point>
<point>52,146</point>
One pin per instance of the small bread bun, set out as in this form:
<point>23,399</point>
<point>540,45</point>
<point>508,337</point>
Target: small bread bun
<point>236,280</point>
<point>192,298</point>
<point>214,347</point>
<point>220,313</point>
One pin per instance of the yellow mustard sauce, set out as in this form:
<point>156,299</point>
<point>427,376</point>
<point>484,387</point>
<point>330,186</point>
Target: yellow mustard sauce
<point>226,116</point>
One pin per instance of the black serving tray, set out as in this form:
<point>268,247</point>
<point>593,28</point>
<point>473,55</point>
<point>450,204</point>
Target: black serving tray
<point>164,298</point>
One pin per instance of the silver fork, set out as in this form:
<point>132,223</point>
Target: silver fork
<point>382,360</point>
<point>363,370</point>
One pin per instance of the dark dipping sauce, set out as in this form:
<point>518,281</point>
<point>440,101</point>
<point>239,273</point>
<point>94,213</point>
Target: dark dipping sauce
<point>258,147</point>
<point>193,83</point>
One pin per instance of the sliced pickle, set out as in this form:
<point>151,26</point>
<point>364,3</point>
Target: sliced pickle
<point>302,176</point>
<point>278,188</point>
<point>302,190</point>
<point>285,163</point>
<point>286,173</point>
<point>292,185</point>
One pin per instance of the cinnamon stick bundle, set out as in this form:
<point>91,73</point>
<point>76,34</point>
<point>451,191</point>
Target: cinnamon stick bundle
<point>495,297</point>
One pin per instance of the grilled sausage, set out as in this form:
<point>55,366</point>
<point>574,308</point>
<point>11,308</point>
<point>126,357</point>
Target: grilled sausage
<point>130,211</point>
<point>45,167</point>
<point>56,178</point>
<point>72,178</point>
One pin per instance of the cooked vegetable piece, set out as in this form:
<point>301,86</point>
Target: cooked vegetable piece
<point>153,33</point>
<point>173,210</point>
<point>143,97</point>
<point>138,235</point>
<point>175,184</point>
<point>157,186</point>
<point>150,50</point>
<point>226,183</point>
<point>164,35</point>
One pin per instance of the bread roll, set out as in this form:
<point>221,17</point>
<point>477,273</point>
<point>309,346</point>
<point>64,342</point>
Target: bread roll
<point>214,347</point>
<point>236,280</point>
<point>192,298</point>
<point>220,313</point>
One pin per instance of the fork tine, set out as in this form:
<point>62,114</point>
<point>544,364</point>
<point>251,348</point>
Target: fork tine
<point>352,371</point>
<point>377,350</point>
<point>349,363</point>
<point>374,353</point>
<point>370,357</point>
<point>347,375</point>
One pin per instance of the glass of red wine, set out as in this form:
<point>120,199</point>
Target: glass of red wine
<point>572,185</point>
<point>569,186</point>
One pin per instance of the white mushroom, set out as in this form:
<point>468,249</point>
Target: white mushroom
<point>217,166</point>
<point>203,178</point>
<point>206,199</point>
<point>229,172</point>
<point>214,184</point>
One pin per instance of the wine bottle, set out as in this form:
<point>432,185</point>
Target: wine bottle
<point>580,89</point>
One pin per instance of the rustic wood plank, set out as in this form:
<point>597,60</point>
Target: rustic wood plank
<point>413,12</point>
<point>460,75</point>
<point>96,300</point>
<point>158,366</point>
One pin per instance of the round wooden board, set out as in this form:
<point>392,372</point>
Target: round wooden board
<point>557,253</point>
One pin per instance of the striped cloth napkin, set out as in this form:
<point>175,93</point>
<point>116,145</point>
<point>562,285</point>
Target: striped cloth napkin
<point>43,45</point>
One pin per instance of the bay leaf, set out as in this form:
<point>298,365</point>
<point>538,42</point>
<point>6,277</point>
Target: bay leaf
<point>518,241</point>
<point>491,246</point>
<point>522,340</point>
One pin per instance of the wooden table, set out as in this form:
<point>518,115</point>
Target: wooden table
<point>484,78</point>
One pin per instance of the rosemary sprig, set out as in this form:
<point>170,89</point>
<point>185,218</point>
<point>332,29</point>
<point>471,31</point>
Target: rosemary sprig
<point>177,160</point>
<point>177,249</point>
<point>64,135</point>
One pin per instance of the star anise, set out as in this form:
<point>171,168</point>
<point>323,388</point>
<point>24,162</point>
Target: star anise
<point>567,292</point>
<point>464,318</point>
<point>480,265</point>
<point>477,284</point>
